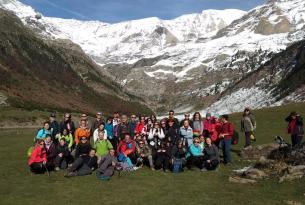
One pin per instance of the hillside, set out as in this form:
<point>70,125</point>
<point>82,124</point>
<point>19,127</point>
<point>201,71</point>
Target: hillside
<point>46,74</point>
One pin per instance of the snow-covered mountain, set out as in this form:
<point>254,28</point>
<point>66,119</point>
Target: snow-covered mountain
<point>195,56</point>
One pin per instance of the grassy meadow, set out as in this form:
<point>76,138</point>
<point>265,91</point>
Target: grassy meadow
<point>18,186</point>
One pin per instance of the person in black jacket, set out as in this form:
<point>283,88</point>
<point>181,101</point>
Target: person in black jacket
<point>86,160</point>
<point>68,124</point>
<point>54,127</point>
<point>50,151</point>
<point>172,134</point>
<point>163,156</point>
<point>211,156</point>
<point>178,151</point>
<point>63,155</point>
<point>295,128</point>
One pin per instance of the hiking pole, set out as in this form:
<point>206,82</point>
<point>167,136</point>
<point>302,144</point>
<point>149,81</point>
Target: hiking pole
<point>46,169</point>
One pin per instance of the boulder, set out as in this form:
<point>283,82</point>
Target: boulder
<point>256,152</point>
<point>240,180</point>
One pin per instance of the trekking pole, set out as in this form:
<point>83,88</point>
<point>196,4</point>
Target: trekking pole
<point>46,169</point>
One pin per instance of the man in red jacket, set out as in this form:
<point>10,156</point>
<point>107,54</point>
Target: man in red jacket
<point>227,130</point>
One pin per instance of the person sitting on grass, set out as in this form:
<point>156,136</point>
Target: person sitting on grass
<point>195,155</point>
<point>102,146</point>
<point>83,165</point>
<point>51,152</point>
<point>126,150</point>
<point>100,128</point>
<point>162,157</point>
<point>67,137</point>
<point>63,157</point>
<point>82,131</point>
<point>144,154</point>
<point>202,141</point>
<point>178,152</point>
<point>38,159</point>
<point>211,156</point>
<point>43,132</point>
<point>106,166</point>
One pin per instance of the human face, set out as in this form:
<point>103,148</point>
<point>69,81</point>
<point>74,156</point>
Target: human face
<point>208,141</point>
<point>156,125</point>
<point>187,116</point>
<point>98,116</point>
<point>171,114</point>
<point>111,152</point>
<point>48,139</point>
<point>92,153</point>
<point>101,135</point>
<point>196,116</point>
<point>127,138</point>
<point>124,118</point>
<point>163,123</point>
<point>133,118</point>
<point>83,123</point>
<point>141,144</point>
<point>142,119</point>
<point>46,126</point>
<point>65,132</point>
<point>186,123</point>
<point>201,138</point>
<point>62,142</point>
<point>101,127</point>
<point>41,144</point>
<point>196,142</point>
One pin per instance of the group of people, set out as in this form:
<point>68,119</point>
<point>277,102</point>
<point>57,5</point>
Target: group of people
<point>124,143</point>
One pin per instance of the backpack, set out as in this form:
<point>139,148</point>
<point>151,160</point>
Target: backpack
<point>30,150</point>
<point>177,166</point>
<point>235,138</point>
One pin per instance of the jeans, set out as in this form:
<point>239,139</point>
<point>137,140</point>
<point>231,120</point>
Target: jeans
<point>80,167</point>
<point>226,150</point>
<point>248,139</point>
<point>296,140</point>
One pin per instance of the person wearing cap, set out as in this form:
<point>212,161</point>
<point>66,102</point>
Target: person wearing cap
<point>207,125</point>
<point>54,127</point>
<point>295,128</point>
<point>187,117</point>
<point>248,125</point>
<point>226,134</point>
<point>97,121</point>
<point>68,124</point>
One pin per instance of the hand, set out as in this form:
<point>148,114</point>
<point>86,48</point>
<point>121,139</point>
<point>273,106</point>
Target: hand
<point>208,161</point>
<point>44,162</point>
<point>60,154</point>
<point>113,164</point>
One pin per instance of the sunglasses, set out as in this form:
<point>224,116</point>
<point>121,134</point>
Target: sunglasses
<point>41,144</point>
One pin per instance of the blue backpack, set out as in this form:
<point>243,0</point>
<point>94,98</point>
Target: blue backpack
<point>177,166</point>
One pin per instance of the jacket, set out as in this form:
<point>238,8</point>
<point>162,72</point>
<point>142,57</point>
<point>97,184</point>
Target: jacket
<point>38,155</point>
<point>51,152</point>
<point>211,153</point>
<point>69,125</point>
<point>102,147</point>
<point>42,133</point>
<point>197,127</point>
<point>227,128</point>
<point>109,129</point>
<point>95,135</point>
<point>63,149</point>
<point>54,128</point>
<point>196,151</point>
<point>80,132</point>
<point>127,148</point>
<point>82,149</point>
<point>295,126</point>
<point>68,138</point>
<point>248,123</point>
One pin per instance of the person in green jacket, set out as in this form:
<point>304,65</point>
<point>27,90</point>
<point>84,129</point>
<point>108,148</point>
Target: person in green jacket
<point>67,136</point>
<point>102,146</point>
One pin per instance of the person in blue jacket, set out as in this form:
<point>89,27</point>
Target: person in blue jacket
<point>195,155</point>
<point>43,132</point>
<point>186,133</point>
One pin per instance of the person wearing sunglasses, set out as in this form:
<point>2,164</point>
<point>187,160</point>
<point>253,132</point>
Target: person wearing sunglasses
<point>68,124</point>
<point>38,158</point>
<point>144,155</point>
<point>195,155</point>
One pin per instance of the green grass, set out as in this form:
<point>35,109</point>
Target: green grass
<point>18,186</point>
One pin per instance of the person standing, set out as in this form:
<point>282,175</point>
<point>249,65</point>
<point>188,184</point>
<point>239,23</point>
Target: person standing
<point>248,125</point>
<point>171,116</point>
<point>186,133</point>
<point>226,134</point>
<point>97,121</point>
<point>295,128</point>
<point>54,127</point>
<point>68,124</point>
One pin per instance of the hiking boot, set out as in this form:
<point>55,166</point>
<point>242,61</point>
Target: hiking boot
<point>71,174</point>
<point>203,170</point>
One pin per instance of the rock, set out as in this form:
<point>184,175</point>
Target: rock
<point>293,203</point>
<point>295,169</point>
<point>263,163</point>
<point>255,174</point>
<point>240,180</point>
<point>291,177</point>
<point>256,152</point>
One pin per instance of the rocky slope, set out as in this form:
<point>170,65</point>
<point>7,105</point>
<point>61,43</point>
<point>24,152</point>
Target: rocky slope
<point>185,63</point>
<point>47,74</point>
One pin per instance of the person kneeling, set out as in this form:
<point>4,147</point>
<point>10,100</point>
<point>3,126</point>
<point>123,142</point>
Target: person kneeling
<point>86,160</point>
<point>63,155</point>
<point>195,155</point>
<point>38,159</point>
<point>211,156</point>
<point>144,155</point>
<point>163,156</point>
<point>106,166</point>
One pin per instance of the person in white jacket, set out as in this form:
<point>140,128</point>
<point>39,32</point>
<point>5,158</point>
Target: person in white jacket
<point>155,135</point>
<point>101,128</point>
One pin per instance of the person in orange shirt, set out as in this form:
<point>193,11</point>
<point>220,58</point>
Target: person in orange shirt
<point>82,131</point>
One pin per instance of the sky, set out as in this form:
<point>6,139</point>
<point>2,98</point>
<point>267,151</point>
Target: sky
<point>112,11</point>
